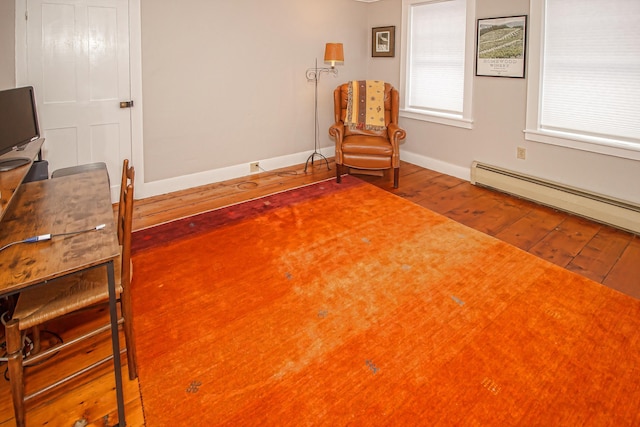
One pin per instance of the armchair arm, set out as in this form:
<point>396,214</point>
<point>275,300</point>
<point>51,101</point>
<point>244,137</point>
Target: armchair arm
<point>395,133</point>
<point>337,132</point>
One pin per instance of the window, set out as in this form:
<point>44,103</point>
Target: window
<point>584,82</point>
<point>437,60</point>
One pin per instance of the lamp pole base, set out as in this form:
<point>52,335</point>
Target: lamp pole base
<point>310,159</point>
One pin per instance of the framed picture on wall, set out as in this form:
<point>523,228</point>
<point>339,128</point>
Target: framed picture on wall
<point>500,47</point>
<point>383,41</point>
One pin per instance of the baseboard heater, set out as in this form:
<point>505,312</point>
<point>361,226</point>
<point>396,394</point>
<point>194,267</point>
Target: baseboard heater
<point>618,213</point>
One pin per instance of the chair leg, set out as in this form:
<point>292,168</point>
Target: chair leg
<point>396,177</point>
<point>35,333</point>
<point>127,313</point>
<point>16,374</point>
<point>338,173</point>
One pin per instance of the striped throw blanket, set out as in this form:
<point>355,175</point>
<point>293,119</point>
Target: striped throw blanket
<point>365,105</point>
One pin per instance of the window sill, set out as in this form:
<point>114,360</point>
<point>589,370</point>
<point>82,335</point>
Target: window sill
<point>625,150</point>
<point>443,119</point>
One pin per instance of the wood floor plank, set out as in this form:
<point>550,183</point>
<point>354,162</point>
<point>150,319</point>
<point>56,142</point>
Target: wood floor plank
<point>566,241</point>
<point>531,228</point>
<point>411,180</point>
<point>91,401</point>
<point>413,187</point>
<point>625,274</point>
<point>452,198</point>
<point>437,185</point>
<point>602,252</point>
<point>490,213</point>
<point>168,207</point>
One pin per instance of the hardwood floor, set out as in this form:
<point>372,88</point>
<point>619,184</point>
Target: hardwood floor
<point>600,252</point>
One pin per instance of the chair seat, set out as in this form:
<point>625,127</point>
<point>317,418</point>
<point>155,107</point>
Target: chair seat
<point>65,295</point>
<point>367,145</point>
<point>72,170</point>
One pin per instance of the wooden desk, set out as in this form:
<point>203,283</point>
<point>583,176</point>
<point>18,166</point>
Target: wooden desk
<point>56,206</point>
<point>11,180</point>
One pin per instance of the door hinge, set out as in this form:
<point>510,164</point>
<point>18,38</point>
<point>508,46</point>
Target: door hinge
<point>26,15</point>
<point>126,104</point>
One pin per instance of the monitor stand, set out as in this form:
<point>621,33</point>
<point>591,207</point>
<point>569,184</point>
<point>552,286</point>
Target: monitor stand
<point>13,162</point>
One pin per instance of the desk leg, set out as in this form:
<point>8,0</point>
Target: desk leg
<point>16,373</point>
<point>115,341</point>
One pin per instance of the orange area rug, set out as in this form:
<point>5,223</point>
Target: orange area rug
<point>343,304</point>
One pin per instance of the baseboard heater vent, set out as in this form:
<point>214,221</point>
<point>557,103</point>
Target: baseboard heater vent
<point>618,213</point>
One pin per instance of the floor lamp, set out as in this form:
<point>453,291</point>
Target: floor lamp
<point>333,53</point>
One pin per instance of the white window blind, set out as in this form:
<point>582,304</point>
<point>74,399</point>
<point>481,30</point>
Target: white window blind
<point>436,56</point>
<point>590,75</point>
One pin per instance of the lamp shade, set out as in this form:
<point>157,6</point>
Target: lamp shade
<point>333,53</point>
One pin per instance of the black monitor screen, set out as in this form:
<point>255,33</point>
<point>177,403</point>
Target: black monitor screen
<point>18,118</point>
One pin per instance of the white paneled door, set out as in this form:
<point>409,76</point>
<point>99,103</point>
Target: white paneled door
<point>78,62</point>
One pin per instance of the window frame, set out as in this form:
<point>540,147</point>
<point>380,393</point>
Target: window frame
<point>533,131</point>
<point>464,119</point>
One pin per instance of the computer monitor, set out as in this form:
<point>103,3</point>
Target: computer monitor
<point>18,124</point>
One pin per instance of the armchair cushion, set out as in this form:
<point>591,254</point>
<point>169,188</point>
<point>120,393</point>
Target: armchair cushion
<point>367,145</point>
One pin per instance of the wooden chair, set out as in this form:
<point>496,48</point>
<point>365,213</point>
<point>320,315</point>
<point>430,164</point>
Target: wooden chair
<point>69,295</point>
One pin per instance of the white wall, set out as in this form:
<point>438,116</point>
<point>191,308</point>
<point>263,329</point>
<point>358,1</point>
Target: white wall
<point>499,120</point>
<point>224,84</point>
<point>384,13</point>
<point>224,81</point>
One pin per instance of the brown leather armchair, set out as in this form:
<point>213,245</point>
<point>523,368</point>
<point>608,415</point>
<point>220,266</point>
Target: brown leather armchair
<point>366,148</point>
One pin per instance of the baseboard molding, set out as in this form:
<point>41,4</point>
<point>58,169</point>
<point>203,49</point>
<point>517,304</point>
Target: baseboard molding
<point>156,188</point>
<point>436,165</point>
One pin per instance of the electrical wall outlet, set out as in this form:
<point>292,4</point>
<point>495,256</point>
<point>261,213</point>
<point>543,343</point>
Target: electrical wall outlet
<point>254,167</point>
<point>522,153</point>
